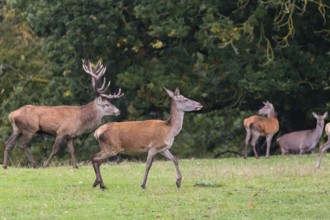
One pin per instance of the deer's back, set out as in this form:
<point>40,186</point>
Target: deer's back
<point>135,136</point>
<point>44,118</point>
<point>262,124</point>
<point>297,140</point>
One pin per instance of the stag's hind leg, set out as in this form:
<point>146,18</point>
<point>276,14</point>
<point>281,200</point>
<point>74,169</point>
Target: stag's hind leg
<point>70,145</point>
<point>25,146</point>
<point>9,146</point>
<point>170,156</point>
<point>55,149</point>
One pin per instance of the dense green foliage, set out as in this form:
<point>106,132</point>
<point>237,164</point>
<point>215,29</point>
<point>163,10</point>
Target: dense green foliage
<point>232,188</point>
<point>229,55</point>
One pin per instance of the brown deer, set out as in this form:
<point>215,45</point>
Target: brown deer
<point>63,122</point>
<point>152,136</point>
<point>257,126</point>
<point>324,147</point>
<point>303,141</point>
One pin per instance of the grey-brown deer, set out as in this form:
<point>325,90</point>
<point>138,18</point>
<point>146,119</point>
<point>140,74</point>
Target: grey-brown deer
<point>324,147</point>
<point>303,141</point>
<point>257,126</point>
<point>152,136</point>
<point>63,122</point>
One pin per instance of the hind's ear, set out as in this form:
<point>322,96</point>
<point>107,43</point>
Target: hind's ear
<point>325,115</point>
<point>169,92</point>
<point>314,114</point>
<point>177,92</point>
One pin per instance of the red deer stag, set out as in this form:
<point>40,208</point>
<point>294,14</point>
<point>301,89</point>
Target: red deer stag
<point>303,141</point>
<point>63,122</point>
<point>324,147</point>
<point>257,126</point>
<point>152,136</point>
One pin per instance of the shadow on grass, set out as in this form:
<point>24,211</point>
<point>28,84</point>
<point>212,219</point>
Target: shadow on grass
<point>208,184</point>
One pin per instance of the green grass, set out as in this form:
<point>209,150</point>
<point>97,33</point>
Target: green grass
<point>276,188</point>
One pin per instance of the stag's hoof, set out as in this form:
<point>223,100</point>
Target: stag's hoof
<point>178,183</point>
<point>103,187</point>
<point>96,183</point>
<point>143,186</point>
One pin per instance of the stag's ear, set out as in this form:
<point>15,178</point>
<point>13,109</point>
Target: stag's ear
<point>99,100</point>
<point>169,92</point>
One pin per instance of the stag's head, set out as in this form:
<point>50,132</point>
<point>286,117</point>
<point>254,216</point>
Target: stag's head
<point>267,109</point>
<point>182,103</point>
<point>320,118</point>
<point>102,101</point>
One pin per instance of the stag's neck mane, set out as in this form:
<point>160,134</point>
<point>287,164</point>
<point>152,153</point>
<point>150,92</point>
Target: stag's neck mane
<point>90,115</point>
<point>175,120</point>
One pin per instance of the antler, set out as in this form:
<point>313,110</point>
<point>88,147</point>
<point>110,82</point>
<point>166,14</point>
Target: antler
<point>97,72</point>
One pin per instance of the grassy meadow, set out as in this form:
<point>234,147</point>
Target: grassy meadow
<point>276,188</point>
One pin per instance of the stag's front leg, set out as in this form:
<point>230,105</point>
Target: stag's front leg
<point>25,146</point>
<point>150,158</point>
<point>170,156</point>
<point>55,149</point>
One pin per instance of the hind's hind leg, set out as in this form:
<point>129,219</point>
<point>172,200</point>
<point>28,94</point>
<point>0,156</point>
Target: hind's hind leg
<point>247,139</point>
<point>97,160</point>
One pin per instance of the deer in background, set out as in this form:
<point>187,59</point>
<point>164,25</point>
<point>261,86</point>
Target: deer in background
<point>305,140</point>
<point>63,122</point>
<point>257,126</point>
<point>152,136</point>
<point>324,147</point>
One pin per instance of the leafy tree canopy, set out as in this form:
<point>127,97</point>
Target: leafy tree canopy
<point>229,55</point>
